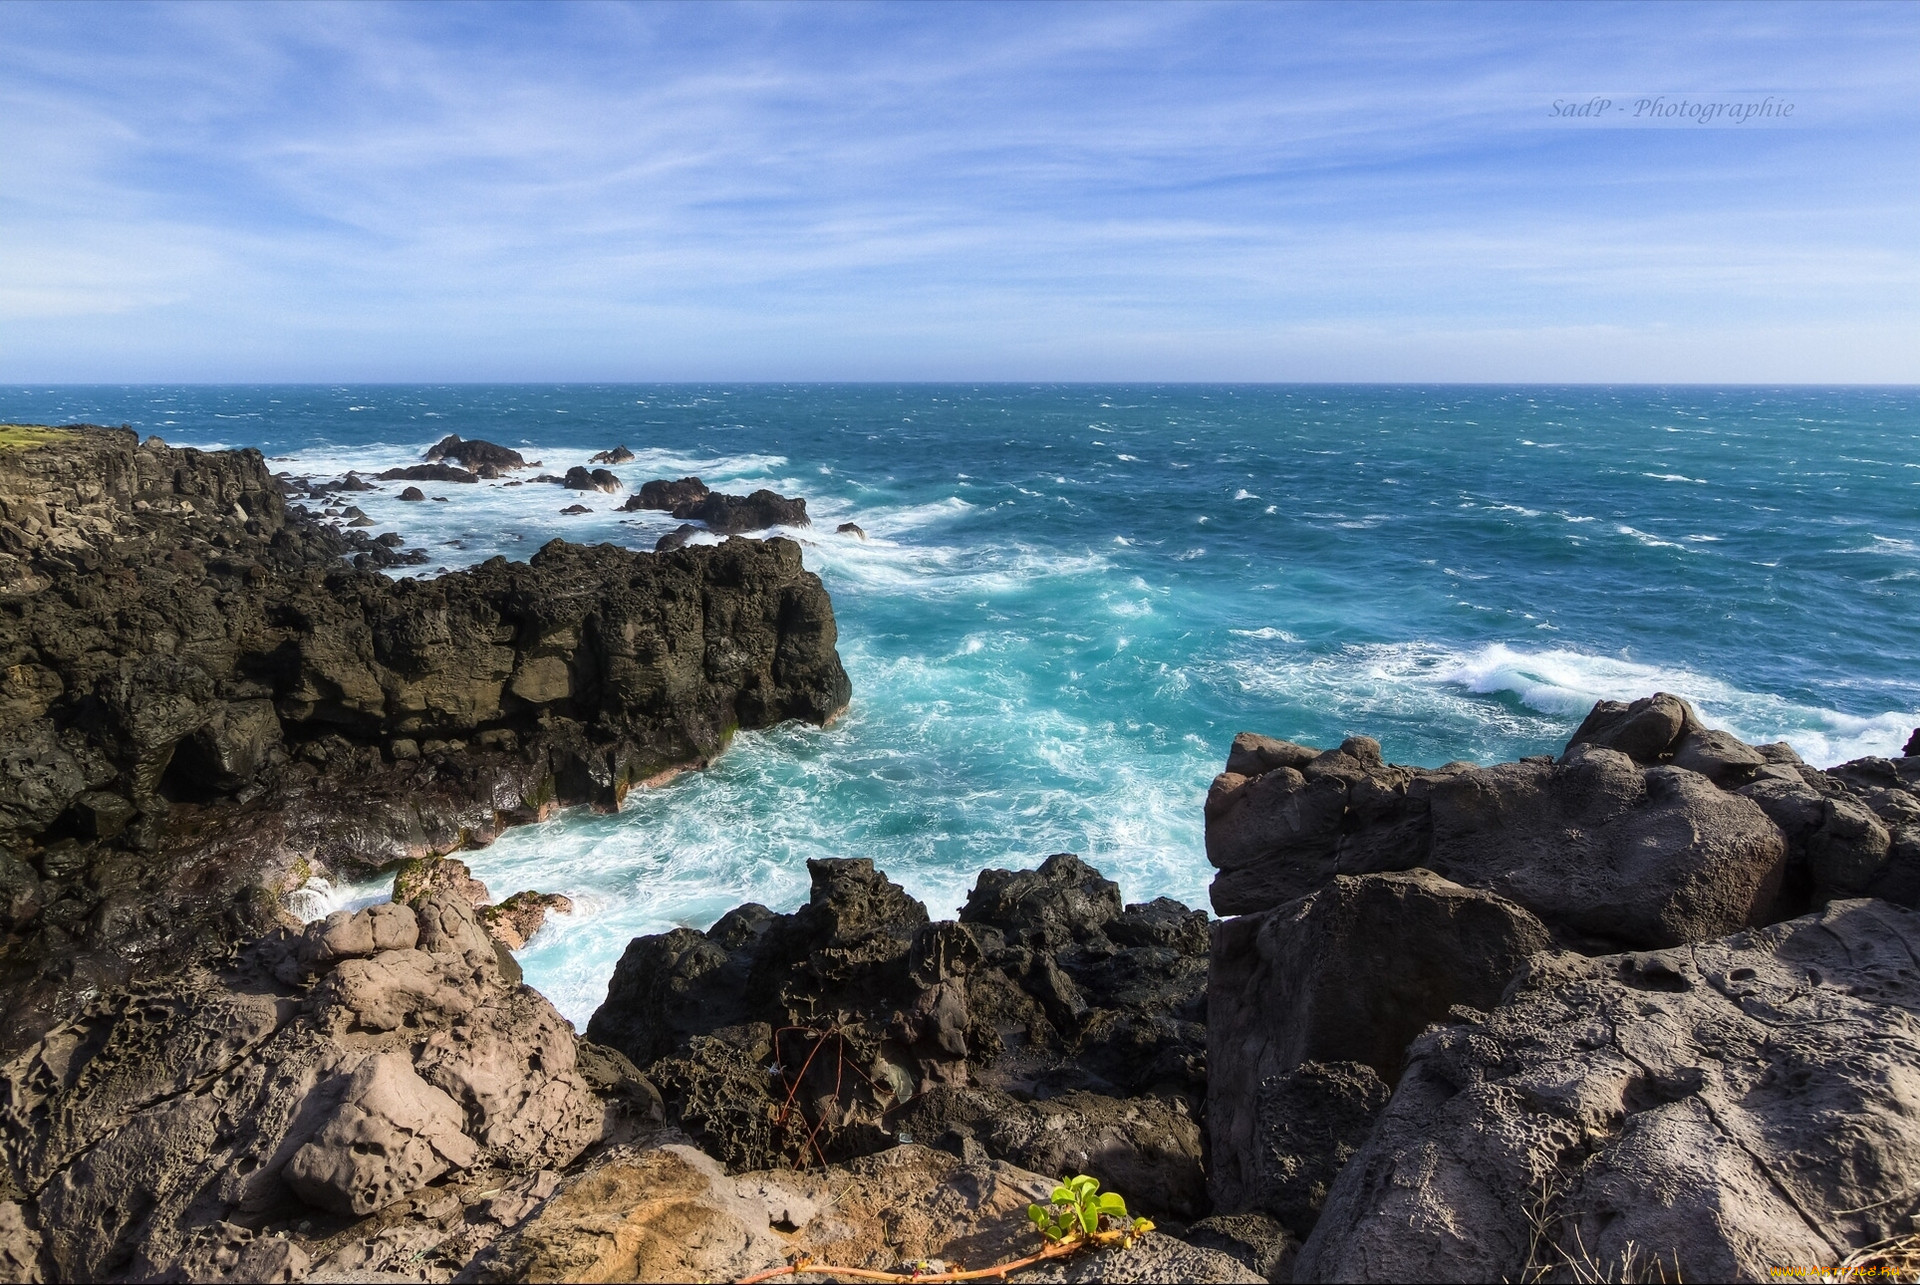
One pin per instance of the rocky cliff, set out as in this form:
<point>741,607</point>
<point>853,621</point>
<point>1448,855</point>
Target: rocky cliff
<point>204,702</point>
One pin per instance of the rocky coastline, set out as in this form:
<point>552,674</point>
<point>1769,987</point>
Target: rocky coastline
<point>1648,1006</point>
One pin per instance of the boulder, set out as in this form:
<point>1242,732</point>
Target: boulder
<point>419,878</point>
<point>833,1017</point>
<point>391,1134</point>
<point>1606,850</point>
<point>850,528</point>
<point>618,455</point>
<point>413,494</point>
<point>1710,1112</point>
<point>1350,974</point>
<point>578,478</point>
<point>574,510</point>
<point>677,538</point>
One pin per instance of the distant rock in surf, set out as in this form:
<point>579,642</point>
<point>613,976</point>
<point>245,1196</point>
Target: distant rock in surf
<point>849,528</point>
<point>428,473</point>
<point>666,496</point>
<point>618,455</point>
<point>578,478</point>
<point>474,453</point>
<point>413,493</point>
<point>575,508</point>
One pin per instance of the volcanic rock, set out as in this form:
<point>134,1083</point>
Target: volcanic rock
<point>677,538</point>
<point>849,528</point>
<point>732,514</point>
<point>665,495</point>
<point>413,494</point>
<point>579,479</point>
<point>1647,1107</point>
<point>618,455</point>
<point>1047,984</point>
<point>475,454</point>
<point>206,647</point>
<point>428,473</point>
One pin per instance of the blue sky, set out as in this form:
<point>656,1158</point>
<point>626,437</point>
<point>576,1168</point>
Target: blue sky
<point>1271,192</point>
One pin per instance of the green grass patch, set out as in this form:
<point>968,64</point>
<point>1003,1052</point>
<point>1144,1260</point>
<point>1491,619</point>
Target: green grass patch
<point>26,437</point>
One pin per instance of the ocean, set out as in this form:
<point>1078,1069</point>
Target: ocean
<point>1074,595</point>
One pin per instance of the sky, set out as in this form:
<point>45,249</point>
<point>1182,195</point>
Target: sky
<point>444,192</point>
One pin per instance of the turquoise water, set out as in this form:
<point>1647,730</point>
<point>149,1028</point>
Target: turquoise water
<point>1074,596</point>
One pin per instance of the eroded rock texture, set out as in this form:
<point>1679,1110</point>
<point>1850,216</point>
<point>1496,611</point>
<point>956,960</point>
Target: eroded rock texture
<point>1724,1108</point>
<point>338,1069</point>
<point>1459,1006</point>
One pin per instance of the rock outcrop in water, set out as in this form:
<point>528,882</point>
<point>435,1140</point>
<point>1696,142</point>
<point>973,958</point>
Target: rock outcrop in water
<point>476,454</point>
<point>203,704</point>
<point>690,500</point>
<point>1609,1012</point>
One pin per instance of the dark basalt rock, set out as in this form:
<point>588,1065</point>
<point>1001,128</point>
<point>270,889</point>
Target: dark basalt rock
<point>475,454</point>
<point>573,509</point>
<point>732,514</point>
<point>665,495</point>
<point>849,528</point>
<point>677,538</point>
<point>204,703</point>
<point>1047,985</point>
<point>618,455</point>
<point>580,479</point>
<point>428,473</point>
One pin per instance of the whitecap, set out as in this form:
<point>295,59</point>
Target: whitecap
<point>1244,494</point>
<point>1651,541</point>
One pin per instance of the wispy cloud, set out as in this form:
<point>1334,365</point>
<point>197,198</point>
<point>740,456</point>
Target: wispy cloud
<point>918,191</point>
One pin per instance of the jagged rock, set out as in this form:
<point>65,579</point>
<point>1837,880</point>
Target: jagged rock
<point>475,453</point>
<point>732,514</point>
<point>1723,1108</point>
<point>665,495</point>
<point>208,646</point>
<point>226,1252</point>
<point>1912,748</point>
<point>215,1096</point>
<point>19,1247</point>
<point>618,455</point>
<point>858,978</point>
<point>391,1134</point>
<point>663,1214</point>
<point>428,473</point>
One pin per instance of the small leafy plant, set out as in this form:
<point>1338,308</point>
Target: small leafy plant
<point>1078,1210</point>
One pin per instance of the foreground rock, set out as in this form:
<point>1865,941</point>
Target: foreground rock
<point>202,706</point>
<point>1460,989</point>
<point>879,1021</point>
<point>338,1069</point>
<point>1719,1109</point>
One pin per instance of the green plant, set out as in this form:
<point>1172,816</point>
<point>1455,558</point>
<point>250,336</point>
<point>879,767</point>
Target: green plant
<point>1079,1210</point>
